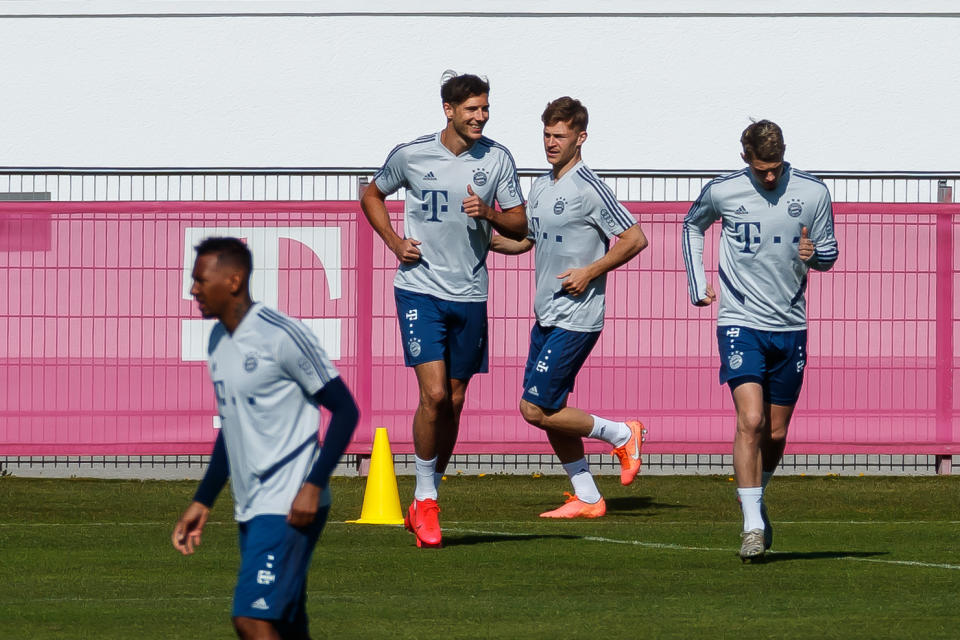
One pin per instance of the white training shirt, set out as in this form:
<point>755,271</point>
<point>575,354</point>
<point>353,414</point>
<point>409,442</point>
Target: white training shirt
<point>454,246</point>
<point>264,377</point>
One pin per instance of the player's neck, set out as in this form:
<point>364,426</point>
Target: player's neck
<point>453,141</point>
<point>560,172</point>
<point>235,313</point>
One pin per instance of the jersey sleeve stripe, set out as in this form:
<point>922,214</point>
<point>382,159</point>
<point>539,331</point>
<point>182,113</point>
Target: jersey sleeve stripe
<point>300,339</point>
<point>608,197</point>
<point>688,262</point>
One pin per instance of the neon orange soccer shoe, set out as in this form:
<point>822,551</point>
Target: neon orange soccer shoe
<point>423,521</point>
<point>574,507</point>
<point>629,453</point>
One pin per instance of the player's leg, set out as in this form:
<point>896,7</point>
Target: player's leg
<point>586,501</point>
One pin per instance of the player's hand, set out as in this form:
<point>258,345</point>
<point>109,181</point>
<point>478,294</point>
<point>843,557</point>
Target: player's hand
<point>189,528</point>
<point>806,248</point>
<point>304,507</point>
<point>709,299</point>
<point>407,251</point>
<point>475,207</point>
<point>575,281</point>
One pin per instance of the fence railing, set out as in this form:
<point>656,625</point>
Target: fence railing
<point>102,349</point>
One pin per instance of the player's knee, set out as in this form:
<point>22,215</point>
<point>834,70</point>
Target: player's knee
<point>251,629</point>
<point>750,423</point>
<point>778,433</point>
<point>533,414</point>
<point>434,398</point>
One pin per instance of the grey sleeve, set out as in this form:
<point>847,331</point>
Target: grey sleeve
<point>701,215</point>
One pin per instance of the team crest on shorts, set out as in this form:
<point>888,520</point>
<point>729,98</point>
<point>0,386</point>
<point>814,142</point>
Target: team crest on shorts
<point>559,206</point>
<point>795,208</point>
<point>479,178</point>
<point>736,360</point>
<point>413,346</point>
<point>250,363</point>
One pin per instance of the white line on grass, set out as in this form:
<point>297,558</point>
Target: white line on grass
<point>909,563</point>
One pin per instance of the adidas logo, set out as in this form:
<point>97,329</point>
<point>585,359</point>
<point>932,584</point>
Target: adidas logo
<point>261,604</point>
<point>741,211</point>
<point>430,176</point>
<point>533,391</point>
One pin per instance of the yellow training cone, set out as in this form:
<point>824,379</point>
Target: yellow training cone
<point>381,501</point>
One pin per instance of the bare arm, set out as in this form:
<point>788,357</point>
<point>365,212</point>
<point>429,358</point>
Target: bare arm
<point>374,208</point>
<point>511,222</point>
<point>629,243</point>
<point>510,247</point>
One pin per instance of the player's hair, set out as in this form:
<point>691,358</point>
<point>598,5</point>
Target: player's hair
<point>228,251</point>
<point>566,109</point>
<point>763,140</point>
<point>458,89</point>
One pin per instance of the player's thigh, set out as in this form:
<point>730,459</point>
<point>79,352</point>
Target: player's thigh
<point>423,327</point>
<point>467,341</point>
<point>552,367</point>
<point>274,562</point>
<point>786,362</point>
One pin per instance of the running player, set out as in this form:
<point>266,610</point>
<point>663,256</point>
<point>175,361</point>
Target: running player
<point>777,225</point>
<point>572,216</point>
<point>452,179</point>
<point>269,375</point>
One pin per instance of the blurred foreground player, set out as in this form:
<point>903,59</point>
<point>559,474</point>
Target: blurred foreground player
<point>777,225</point>
<point>269,374</point>
<point>451,179</point>
<point>572,216</point>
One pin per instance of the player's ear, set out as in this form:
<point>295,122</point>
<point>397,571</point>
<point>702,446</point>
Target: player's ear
<point>744,157</point>
<point>448,110</point>
<point>581,138</point>
<point>237,281</point>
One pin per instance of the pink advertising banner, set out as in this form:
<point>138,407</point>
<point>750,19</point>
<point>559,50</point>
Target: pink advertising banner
<point>102,349</point>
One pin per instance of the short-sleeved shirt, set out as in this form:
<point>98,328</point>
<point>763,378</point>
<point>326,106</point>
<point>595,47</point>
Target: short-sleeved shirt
<point>762,278</point>
<point>265,375</point>
<point>453,246</point>
<point>571,221</point>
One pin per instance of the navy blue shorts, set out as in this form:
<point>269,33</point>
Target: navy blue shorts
<point>773,359</point>
<point>274,561</point>
<point>432,329</point>
<point>553,362</point>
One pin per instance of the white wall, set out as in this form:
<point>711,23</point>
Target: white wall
<point>855,85</point>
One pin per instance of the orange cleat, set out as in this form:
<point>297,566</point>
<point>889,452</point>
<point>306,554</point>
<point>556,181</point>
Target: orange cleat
<point>574,507</point>
<point>629,453</point>
<point>423,521</point>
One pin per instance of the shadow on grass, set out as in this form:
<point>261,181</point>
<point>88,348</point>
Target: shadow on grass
<point>631,505</point>
<point>783,556</point>
<point>482,538</point>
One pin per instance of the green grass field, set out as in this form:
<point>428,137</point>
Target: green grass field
<point>857,557</point>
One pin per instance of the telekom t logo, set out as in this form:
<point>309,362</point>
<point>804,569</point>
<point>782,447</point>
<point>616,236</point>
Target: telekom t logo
<point>264,243</point>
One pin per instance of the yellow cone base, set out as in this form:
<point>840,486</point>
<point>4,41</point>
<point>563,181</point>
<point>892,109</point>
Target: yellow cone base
<point>381,500</point>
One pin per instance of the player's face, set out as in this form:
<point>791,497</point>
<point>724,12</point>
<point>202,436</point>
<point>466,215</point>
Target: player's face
<point>562,143</point>
<point>766,173</point>
<point>469,117</point>
<point>213,285</point>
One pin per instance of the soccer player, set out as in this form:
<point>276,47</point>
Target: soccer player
<point>452,179</point>
<point>269,374</point>
<point>572,216</point>
<point>777,224</point>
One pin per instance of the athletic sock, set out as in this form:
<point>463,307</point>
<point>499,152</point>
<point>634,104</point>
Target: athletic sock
<point>582,480</point>
<point>616,434</point>
<point>426,483</point>
<point>750,500</point>
<point>766,479</point>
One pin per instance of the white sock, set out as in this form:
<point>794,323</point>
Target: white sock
<point>750,499</point>
<point>426,487</point>
<point>766,478</point>
<point>582,480</point>
<point>437,479</point>
<point>616,434</point>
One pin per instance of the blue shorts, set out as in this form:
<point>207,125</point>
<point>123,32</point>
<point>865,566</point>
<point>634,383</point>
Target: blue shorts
<point>553,362</point>
<point>274,561</point>
<point>432,329</point>
<point>773,359</point>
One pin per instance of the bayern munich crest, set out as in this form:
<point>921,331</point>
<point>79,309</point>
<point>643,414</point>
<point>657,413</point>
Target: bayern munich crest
<point>250,363</point>
<point>795,208</point>
<point>479,178</point>
<point>414,347</point>
<point>559,206</point>
<point>736,360</point>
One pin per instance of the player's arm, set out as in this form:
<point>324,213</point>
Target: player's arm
<point>508,246</point>
<point>344,415</point>
<point>189,528</point>
<point>701,215</point>
<point>374,207</point>
<point>629,243</point>
<point>511,222</point>
<point>818,245</point>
